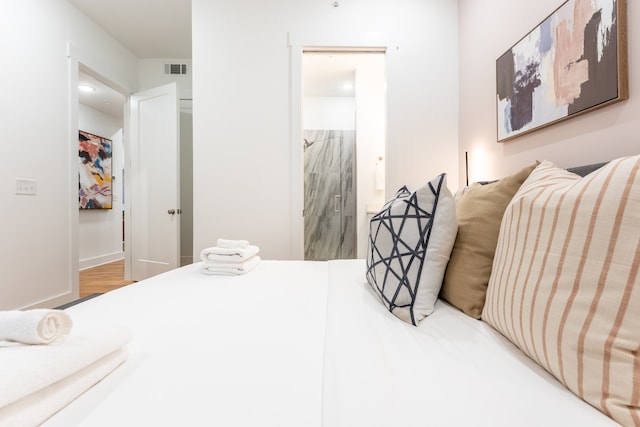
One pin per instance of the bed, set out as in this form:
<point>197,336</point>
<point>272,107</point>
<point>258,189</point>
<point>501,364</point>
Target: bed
<point>300,343</point>
<point>304,343</point>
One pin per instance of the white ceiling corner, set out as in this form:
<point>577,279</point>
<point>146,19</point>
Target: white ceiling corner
<point>147,28</point>
<point>162,29</point>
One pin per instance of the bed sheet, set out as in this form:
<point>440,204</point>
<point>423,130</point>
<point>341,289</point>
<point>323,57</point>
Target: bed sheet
<point>212,350</point>
<point>298,343</point>
<point>452,370</point>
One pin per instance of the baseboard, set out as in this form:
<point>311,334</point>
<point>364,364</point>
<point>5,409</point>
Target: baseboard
<point>100,260</point>
<point>78,301</point>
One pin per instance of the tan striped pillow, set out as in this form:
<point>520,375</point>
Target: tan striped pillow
<point>565,286</point>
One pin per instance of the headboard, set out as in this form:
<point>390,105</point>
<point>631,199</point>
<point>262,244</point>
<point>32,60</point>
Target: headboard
<point>586,169</point>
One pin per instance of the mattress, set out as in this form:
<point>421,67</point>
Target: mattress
<point>301,343</point>
<point>212,350</point>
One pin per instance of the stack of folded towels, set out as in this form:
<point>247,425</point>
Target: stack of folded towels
<point>230,257</point>
<point>44,365</point>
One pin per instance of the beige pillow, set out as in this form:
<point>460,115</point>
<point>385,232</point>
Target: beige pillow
<point>479,211</point>
<point>565,285</point>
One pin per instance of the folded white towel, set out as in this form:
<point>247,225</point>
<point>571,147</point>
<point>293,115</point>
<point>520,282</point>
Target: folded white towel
<point>237,244</point>
<point>230,268</point>
<point>26,370</point>
<point>229,254</point>
<point>37,407</point>
<point>38,326</point>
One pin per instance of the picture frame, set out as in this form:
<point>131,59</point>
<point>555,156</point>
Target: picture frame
<point>573,62</point>
<point>94,171</point>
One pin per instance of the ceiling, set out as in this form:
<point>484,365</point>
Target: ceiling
<point>148,28</point>
<point>325,73</point>
<point>162,29</point>
<point>103,98</point>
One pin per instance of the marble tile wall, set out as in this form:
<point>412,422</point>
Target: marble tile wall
<point>329,194</point>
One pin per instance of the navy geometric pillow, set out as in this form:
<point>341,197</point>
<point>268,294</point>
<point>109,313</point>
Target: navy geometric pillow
<point>410,241</point>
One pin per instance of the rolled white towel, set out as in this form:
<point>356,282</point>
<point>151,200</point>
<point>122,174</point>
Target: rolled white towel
<point>229,254</point>
<point>38,326</point>
<point>233,244</point>
<point>230,268</point>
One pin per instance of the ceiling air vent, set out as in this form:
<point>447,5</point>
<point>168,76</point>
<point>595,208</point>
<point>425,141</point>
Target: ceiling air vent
<point>175,68</point>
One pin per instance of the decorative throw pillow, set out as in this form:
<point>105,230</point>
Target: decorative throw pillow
<point>409,245</point>
<point>565,285</point>
<point>479,211</point>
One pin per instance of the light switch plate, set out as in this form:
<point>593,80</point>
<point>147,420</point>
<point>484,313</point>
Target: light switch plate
<point>26,186</point>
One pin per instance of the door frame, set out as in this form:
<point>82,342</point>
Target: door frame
<point>298,44</point>
<point>103,72</point>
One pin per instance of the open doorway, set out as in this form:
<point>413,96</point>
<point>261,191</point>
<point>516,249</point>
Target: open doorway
<point>84,65</point>
<point>101,114</point>
<point>344,133</point>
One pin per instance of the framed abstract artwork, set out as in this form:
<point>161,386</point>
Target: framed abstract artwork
<point>95,180</point>
<point>573,62</point>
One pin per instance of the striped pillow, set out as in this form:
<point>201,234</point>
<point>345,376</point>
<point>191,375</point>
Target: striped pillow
<point>565,286</point>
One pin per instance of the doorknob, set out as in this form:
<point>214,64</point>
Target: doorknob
<point>171,211</point>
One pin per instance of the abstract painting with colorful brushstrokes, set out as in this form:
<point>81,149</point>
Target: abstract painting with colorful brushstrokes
<point>94,171</point>
<point>574,61</point>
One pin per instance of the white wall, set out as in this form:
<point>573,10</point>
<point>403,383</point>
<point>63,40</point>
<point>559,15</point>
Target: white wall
<point>39,260</point>
<point>242,153</point>
<point>487,30</point>
<point>329,113</point>
<point>371,130</point>
<point>100,230</point>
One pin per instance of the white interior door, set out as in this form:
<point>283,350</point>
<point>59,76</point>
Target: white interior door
<point>154,202</point>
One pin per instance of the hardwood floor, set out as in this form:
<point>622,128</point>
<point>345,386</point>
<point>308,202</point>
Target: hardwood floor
<point>103,278</point>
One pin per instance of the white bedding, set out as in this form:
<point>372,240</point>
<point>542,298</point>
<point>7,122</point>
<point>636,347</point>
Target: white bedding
<point>213,350</point>
<point>298,343</point>
<point>36,407</point>
<point>452,370</point>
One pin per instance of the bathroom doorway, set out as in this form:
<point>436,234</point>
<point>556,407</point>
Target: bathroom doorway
<point>344,128</point>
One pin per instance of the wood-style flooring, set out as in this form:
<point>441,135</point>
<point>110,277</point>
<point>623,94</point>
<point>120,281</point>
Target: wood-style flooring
<point>101,279</point>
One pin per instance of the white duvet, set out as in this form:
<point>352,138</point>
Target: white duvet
<point>452,370</point>
<point>306,344</point>
<point>213,350</point>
